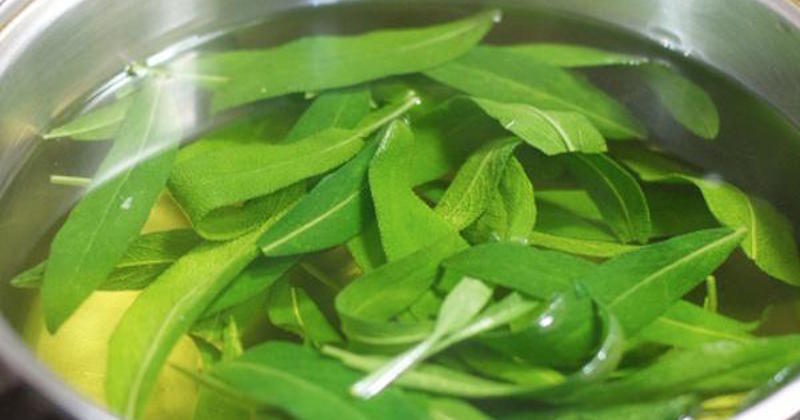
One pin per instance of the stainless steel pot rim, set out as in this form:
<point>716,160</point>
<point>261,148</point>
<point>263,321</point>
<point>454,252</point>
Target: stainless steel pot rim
<point>783,404</point>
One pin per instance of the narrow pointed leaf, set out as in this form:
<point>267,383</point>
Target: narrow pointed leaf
<point>493,73</point>
<point>769,240</point>
<point>575,56</point>
<point>433,378</point>
<point>99,123</point>
<point>472,189</point>
<point>276,373</point>
<point>668,409</point>
<point>252,281</point>
<point>587,247</point>
<point>325,62</point>
<point>292,309</point>
<point>536,273</point>
<point>108,219</point>
<point>685,325</point>
<point>688,104</point>
<point>466,299</point>
<point>616,193</point>
<point>718,367</point>
<point>166,310</point>
<point>511,212</point>
<point>406,223</point>
<point>638,286</point>
<point>552,132</point>
<point>330,214</point>
<point>147,257</point>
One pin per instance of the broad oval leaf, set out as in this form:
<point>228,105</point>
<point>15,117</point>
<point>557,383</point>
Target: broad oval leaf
<point>105,222</point>
<point>325,62</point>
<point>493,73</point>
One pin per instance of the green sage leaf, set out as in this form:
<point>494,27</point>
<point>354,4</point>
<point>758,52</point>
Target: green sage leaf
<point>325,62</point>
<point>493,73</point>
<point>472,189</point>
<point>108,219</point>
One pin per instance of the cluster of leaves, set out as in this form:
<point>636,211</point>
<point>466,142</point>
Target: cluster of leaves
<point>389,223</point>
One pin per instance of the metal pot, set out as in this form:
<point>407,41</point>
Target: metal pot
<point>53,52</point>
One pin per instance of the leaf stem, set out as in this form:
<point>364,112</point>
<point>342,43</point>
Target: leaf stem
<point>70,181</point>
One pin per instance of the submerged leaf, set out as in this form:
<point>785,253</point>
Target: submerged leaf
<point>293,310</point>
<point>166,310</point>
<point>275,373</point>
<point>99,123</point>
<point>147,257</point>
<point>689,104</point>
<point>108,219</point>
<point>503,76</point>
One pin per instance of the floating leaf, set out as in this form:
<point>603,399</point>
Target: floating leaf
<point>330,214</point>
<point>552,132</point>
<point>218,181</point>
<point>324,62</point>
<point>406,223</point>
<point>472,189</point>
<point>511,212</point>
